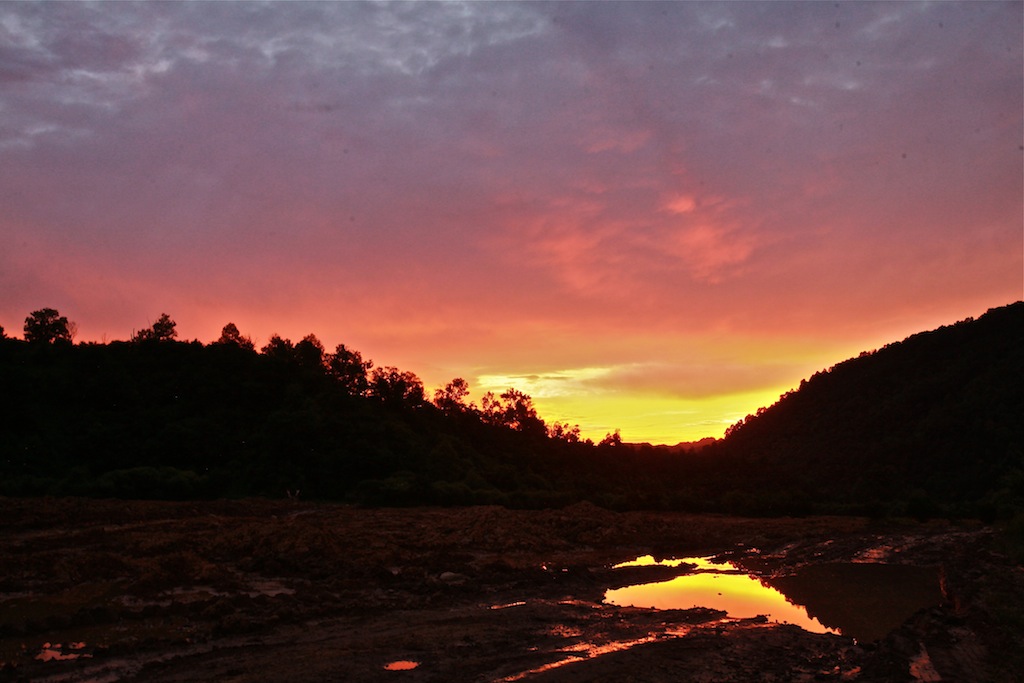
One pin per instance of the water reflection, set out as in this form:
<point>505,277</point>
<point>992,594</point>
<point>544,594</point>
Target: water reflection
<point>861,600</point>
<point>582,651</point>
<point>56,652</point>
<point>719,586</point>
<point>401,665</point>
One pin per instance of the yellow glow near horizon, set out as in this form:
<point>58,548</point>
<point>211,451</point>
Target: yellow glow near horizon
<point>652,418</point>
<point>697,562</point>
<point>734,379</point>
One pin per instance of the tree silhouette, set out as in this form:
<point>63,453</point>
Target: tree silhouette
<point>393,386</point>
<point>565,432</point>
<point>452,398</point>
<point>348,367</point>
<point>2,334</point>
<point>47,326</point>
<point>162,330</point>
<point>309,352</point>
<point>230,336</point>
<point>279,349</point>
<point>513,409</point>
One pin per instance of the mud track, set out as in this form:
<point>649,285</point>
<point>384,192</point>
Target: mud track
<point>283,591</point>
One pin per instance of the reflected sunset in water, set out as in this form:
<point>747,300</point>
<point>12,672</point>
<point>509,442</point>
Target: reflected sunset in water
<point>718,586</point>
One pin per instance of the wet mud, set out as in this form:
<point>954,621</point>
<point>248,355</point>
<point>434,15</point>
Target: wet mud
<point>286,591</point>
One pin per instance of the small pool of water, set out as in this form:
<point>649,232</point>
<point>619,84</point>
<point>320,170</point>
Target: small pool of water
<point>865,601</point>
<point>720,586</point>
<point>51,652</point>
<point>401,665</point>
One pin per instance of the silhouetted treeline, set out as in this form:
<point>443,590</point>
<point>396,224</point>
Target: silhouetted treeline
<point>927,426</point>
<point>157,418</point>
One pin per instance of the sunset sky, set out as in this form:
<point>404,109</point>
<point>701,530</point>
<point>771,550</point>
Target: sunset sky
<point>655,217</point>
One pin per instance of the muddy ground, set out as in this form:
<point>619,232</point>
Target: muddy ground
<point>287,591</point>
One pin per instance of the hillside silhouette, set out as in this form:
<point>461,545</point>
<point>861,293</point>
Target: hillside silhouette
<point>927,426</point>
<point>931,424</point>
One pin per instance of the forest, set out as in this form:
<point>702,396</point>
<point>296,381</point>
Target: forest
<point>928,426</point>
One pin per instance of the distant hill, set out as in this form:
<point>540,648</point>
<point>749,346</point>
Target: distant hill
<point>681,447</point>
<point>933,424</point>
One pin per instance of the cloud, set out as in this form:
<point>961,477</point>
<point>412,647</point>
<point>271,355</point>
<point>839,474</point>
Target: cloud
<point>574,382</point>
<point>680,204</point>
<point>709,250</point>
<point>696,380</point>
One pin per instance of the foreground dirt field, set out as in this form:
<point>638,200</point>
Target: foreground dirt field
<point>287,591</point>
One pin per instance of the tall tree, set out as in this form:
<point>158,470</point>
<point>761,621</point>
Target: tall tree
<point>47,326</point>
<point>309,352</point>
<point>230,336</point>
<point>161,330</point>
<point>279,348</point>
<point>350,370</point>
<point>513,409</point>
<point>394,386</point>
<point>452,397</point>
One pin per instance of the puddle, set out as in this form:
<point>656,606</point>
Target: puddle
<point>401,665</point>
<point>581,651</point>
<point>57,652</point>
<point>718,586</point>
<point>861,600</point>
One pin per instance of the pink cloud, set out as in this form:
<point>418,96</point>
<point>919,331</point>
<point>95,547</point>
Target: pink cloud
<point>680,203</point>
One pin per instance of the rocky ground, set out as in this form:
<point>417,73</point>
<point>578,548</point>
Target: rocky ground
<point>287,591</point>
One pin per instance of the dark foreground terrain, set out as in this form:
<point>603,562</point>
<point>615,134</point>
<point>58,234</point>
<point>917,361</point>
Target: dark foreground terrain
<point>284,591</point>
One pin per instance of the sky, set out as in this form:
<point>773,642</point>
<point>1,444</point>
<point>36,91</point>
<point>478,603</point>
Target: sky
<point>651,217</point>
